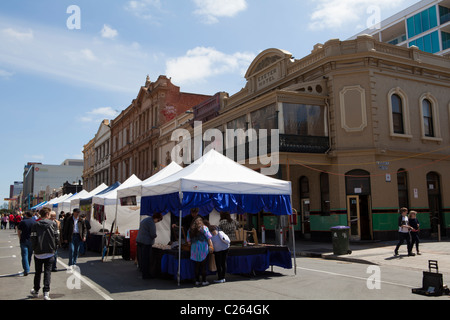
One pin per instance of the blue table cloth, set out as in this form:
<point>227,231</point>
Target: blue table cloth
<point>239,261</point>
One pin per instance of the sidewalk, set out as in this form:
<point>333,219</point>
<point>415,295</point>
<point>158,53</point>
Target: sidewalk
<point>382,253</point>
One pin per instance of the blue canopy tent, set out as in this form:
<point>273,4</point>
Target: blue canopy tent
<point>39,206</point>
<point>216,182</point>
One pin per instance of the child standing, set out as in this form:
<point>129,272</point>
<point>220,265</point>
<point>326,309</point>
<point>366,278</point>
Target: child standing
<point>200,239</point>
<point>221,244</point>
<point>415,225</point>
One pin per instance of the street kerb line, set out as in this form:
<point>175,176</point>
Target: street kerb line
<point>88,283</point>
<point>355,277</point>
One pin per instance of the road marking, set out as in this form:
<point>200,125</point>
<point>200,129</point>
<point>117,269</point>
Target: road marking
<point>354,277</point>
<point>90,284</point>
<point>13,256</point>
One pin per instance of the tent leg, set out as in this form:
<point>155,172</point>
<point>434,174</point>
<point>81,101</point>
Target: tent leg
<point>293,246</point>
<point>179,248</point>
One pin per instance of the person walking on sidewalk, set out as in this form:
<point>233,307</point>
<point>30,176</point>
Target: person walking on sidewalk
<point>403,232</point>
<point>44,239</point>
<point>24,232</point>
<point>75,232</point>
<point>415,228</point>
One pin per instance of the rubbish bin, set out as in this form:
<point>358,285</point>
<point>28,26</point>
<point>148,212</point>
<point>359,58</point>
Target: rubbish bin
<point>341,241</point>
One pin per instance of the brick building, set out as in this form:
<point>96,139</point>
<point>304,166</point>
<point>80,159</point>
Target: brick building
<point>135,132</point>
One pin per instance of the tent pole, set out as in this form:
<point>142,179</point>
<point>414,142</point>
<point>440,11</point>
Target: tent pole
<point>179,247</point>
<point>115,219</point>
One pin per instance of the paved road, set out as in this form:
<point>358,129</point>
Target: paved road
<point>316,279</point>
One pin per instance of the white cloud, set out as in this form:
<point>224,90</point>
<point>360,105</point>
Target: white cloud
<point>5,74</point>
<point>99,114</point>
<point>332,14</point>
<point>201,63</point>
<point>144,9</point>
<point>17,35</point>
<point>108,32</point>
<point>211,10</point>
<point>75,57</point>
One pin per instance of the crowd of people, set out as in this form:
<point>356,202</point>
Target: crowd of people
<point>206,242</point>
<point>42,234</point>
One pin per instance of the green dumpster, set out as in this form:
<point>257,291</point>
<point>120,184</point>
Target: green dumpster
<point>341,240</point>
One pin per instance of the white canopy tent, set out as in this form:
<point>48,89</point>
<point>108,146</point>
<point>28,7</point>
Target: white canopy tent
<point>53,204</point>
<point>162,228</point>
<point>66,205</point>
<point>215,181</point>
<point>75,202</point>
<point>126,217</point>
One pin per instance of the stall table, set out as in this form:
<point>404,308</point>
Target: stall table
<point>241,260</point>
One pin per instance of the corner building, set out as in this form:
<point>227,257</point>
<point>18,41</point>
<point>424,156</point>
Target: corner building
<point>364,130</point>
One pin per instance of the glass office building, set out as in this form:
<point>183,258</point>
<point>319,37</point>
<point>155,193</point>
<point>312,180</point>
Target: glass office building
<point>425,25</point>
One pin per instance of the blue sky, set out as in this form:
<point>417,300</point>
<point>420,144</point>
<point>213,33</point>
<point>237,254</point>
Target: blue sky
<point>57,83</point>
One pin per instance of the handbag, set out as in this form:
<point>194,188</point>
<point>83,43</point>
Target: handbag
<point>212,263</point>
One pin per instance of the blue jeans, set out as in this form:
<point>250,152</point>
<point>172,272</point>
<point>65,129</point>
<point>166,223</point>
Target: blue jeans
<point>74,248</point>
<point>27,251</point>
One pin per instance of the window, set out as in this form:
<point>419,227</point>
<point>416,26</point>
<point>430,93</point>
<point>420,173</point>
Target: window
<point>429,113</point>
<point>428,43</point>
<point>304,120</point>
<point>398,109</point>
<point>304,188</point>
<point>397,114</point>
<point>422,22</point>
<point>265,118</point>
<point>427,118</point>
<point>402,184</point>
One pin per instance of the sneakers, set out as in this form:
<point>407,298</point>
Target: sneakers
<point>34,293</point>
<point>205,283</point>
<point>219,281</point>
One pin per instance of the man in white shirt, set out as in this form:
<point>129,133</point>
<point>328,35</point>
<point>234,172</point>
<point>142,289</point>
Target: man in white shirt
<point>403,232</point>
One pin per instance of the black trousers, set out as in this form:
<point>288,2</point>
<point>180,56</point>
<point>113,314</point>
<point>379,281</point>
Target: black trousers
<point>44,265</point>
<point>402,238</point>
<point>144,255</point>
<point>200,268</point>
<point>415,240</point>
<point>221,263</point>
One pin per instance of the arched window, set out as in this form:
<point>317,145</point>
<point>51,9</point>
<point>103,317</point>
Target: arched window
<point>428,122</point>
<point>400,126</point>
<point>397,114</point>
<point>402,184</point>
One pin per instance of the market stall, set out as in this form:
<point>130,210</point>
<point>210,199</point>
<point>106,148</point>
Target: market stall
<point>215,182</point>
<point>133,192</point>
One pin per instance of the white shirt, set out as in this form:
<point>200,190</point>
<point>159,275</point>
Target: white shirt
<point>404,227</point>
<point>75,225</point>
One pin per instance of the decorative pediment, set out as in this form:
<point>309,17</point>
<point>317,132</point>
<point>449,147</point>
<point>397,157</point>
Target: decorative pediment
<point>266,59</point>
<point>268,68</point>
